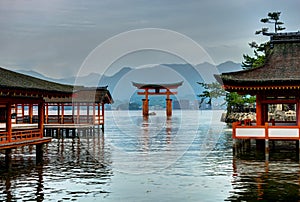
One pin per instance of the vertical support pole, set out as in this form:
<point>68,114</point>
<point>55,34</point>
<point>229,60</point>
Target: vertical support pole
<point>98,114</point>
<point>9,122</point>
<point>41,118</point>
<point>146,103</point>
<point>46,113</point>
<point>298,111</point>
<point>88,112</point>
<point>78,113</point>
<point>62,119</point>
<point>145,107</point>
<point>169,107</point>
<point>94,114</point>
<point>23,111</point>
<point>234,147</point>
<point>58,113</point>
<point>30,113</point>
<point>73,111</point>
<point>8,159</point>
<point>102,114</point>
<point>259,113</point>
<point>298,149</point>
<point>267,149</point>
<point>39,153</point>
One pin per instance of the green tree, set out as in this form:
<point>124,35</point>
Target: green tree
<point>273,18</point>
<point>211,91</point>
<point>259,49</point>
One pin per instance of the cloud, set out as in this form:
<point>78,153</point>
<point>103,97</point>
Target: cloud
<point>61,33</point>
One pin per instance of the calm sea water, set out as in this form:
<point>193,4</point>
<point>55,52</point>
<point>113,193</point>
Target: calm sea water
<point>185,158</point>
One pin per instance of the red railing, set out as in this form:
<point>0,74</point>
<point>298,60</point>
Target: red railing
<point>20,135</point>
<point>267,131</point>
<point>69,119</point>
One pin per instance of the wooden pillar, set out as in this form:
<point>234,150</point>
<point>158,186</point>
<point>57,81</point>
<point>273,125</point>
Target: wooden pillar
<point>88,112</point>
<point>23,111</point>
<point>58,113</point>
<point>94,114</point>
<point>267,149</point>
<point>9,122</point>
<point>259,112</point>
<point>169,107</point>
<point>98,115</point>
<point>62,119</point>
<point>41,118</point>
<point>102,114</point>
<point>145,107</point>
<point>298,111</point>
<point>46,113</point>
<point>30,112</point>
<point>73,111</point>
<point>39,153</point>
<point>8,158</point>
<point>78,113</point>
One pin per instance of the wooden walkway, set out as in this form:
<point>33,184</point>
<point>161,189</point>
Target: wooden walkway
<point>36,141</point>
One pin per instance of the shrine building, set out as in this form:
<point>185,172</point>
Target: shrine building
<point>24,109</point>
<point>276,83</point>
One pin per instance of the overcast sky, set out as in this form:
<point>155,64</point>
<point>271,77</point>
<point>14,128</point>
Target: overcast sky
<point>54,37</point>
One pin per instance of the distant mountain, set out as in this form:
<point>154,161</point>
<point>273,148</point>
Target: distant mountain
<point>229,66</point>
<point>120,83</point>
<point>35,74</point>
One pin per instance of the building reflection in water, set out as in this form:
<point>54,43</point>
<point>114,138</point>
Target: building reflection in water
<point>263,180</point>
<point>72,168</point>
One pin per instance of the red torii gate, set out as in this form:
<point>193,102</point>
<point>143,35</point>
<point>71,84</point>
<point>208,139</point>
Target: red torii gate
<point>157,89</point>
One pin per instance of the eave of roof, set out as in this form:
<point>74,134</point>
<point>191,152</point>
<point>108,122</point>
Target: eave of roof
<point>282,66</point>
<point>157,85</point>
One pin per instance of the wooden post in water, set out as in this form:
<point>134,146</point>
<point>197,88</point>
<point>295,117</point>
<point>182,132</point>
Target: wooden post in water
<point>103,117</point>
<point>8,159</point>
<point>169,107</point>
<point>39,153</point>
<point>145,107</point>
<point>267,149</point>
<point>8,122</point>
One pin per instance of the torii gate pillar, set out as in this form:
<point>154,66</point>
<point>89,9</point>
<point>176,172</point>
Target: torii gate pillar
<point>145,107</point>
<point>169,107</point>
<point>157,89</point>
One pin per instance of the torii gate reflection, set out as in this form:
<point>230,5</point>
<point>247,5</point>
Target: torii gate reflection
<point>157,89</point>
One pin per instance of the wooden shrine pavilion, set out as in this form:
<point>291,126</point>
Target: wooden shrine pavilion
<point>275,83</point>
<point>157,89</point>
<point>24,104</point>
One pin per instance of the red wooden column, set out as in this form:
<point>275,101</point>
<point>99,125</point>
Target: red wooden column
<point>94,113</point>
<point>78,113</point>
<point>88,112</point>
<point>23,111</point>
<point>169,107</point>
<point>168,104</point>
<point>46,113</point>
<point>8,122</point>
<point>259,112</point>
<point>41,118</point>
<point>102,108</point>
<point>146,104</point>
<point>30,112</point>
<point>98,114</point>
<point>62,117</point>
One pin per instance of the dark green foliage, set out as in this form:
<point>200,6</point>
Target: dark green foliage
<point>272,18</point>
<point>212,91</point>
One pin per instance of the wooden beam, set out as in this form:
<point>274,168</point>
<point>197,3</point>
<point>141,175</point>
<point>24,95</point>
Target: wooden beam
<point>154,93</point>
